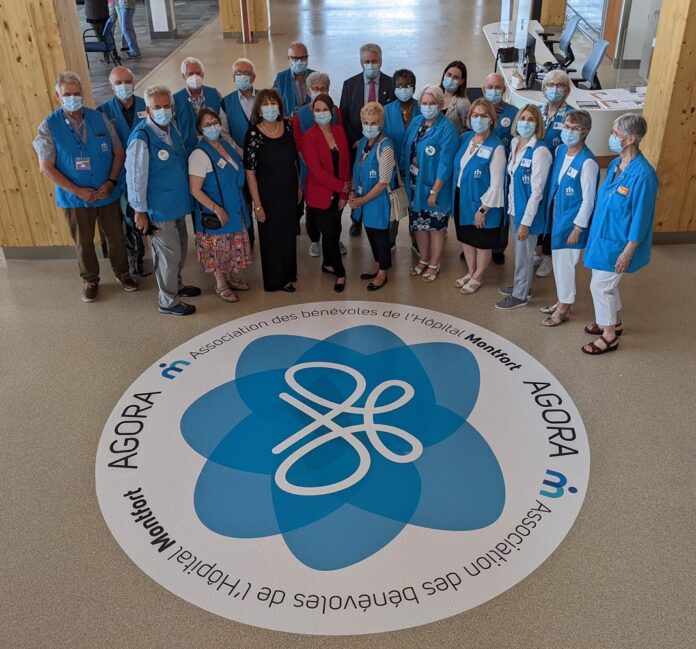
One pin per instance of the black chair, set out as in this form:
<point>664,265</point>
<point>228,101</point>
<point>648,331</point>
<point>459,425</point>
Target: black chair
<point>103,44</point>
<point>565,55</point>
<point>472,94</point>
<point>589,70</point>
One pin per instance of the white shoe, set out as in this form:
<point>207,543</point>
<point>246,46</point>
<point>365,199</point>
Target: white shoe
<point>538,259</point>
<point>314,249</point>
<point>545,267</point>
<point>341,247</point>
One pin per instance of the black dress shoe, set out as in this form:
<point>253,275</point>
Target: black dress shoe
<point>355,229</point>
<point>368,275</point>
<point>338,287</point>
<point>289,288</point>
<point>328,271</point>
<point>499,258</point>
<point>189,291</point>
<point>375,287</point>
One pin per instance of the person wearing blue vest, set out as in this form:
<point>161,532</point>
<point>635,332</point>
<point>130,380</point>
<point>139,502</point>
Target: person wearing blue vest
<point>291,83</point>
<point>80,152</point>
<point>528,171</point>
<point>478,193</point>
<point>190,99</point>
<point>216,178</point>
<point>571,200</point>
<point>620,237</point>
<point>239,104</point>
<point>158,192</point>
<point>124,111</point>
<point>427,153</point>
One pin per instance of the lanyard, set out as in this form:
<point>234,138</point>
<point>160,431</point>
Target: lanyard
<point>79,133</point>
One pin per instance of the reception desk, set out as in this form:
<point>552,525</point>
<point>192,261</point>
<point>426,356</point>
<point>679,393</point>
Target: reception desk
<point>602,116</point>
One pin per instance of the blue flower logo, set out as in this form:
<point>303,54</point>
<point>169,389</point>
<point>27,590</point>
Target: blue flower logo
<point>338,444</point>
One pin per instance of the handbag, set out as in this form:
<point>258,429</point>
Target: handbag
<point>398,200</point>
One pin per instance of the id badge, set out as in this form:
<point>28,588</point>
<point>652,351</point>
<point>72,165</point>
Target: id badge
<point>142,114</point>
<point>558,126</point>
<point>485,152</point>
<point>83,164</point>
<point>359,190</point>
<point>414,170</point>
<point>221,163</point>
<point>572,173</point>
<point>526,162</point>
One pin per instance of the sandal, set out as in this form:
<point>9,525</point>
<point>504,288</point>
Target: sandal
<point>551,309</point>
<point>227,294</point>
<point>557,318</point>
<point>431,276</point>
<point>595,350</point>
<point>595,330</point>
<point>238,284</point>
<point>471,287</point>
<point>459,283</point>
<point>416,270</point>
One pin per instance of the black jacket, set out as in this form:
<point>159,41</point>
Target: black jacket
<point>353,99</point>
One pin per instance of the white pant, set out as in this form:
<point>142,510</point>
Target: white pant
<point>605,295</point>
<point>564,262</point>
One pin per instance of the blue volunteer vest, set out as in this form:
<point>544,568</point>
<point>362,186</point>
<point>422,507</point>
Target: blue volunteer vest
<point>552,132</point>
<point>224,186</point>
<point>236,118</point>
<point>503,126</point>
<point>565,198</point>
<point>374,214</point>
<point>285,84</point>
<point>475,181</point>
<point>186,116</point>
<point>522,184</point>
<point>168,196</point>
<point>70,149</point>
<point>394,127</point>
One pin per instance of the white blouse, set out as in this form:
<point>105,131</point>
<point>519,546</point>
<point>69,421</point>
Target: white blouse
<point>494,196</point>
<point>541,165</point>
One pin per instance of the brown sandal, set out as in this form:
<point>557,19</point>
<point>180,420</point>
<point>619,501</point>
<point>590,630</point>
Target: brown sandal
<point>227,294</point>
<point>594,350</point>
<point>238,284</point>
<point>595,330</point>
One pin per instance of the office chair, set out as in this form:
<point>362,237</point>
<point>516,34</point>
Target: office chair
<point>105,45</point>
<point>565,56</point>
<point>589,70</point>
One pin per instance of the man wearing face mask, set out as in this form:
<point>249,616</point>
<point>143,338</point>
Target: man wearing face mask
<point>238,105</point>
<point>190,99</point>
<point>80,152</point>
<point>368,85</point>
<point>124,111</point>
<point>292,82</point>
<point>158,192</point>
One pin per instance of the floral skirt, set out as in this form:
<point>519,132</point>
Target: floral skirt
<point>427,221</point>
<point>223,253</point>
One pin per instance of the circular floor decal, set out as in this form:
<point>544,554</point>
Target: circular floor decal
<point>342,468</point>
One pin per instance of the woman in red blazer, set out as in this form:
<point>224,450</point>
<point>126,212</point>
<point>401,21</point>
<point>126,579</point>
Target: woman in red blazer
<point>327,156</point>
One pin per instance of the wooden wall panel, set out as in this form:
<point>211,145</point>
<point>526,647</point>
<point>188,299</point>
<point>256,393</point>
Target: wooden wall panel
<point>553,12</point>
<point>261,18</point>
<point>231,16</point>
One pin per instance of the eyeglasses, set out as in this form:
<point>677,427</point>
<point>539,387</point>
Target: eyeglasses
<point>575,129</point>
<point>298,58</point>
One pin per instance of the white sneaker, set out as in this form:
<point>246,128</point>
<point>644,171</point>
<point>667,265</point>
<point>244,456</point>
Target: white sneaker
<point>342,248</point>
<point>538,259</point>
<point>545,267</point>
<point>314,249</point>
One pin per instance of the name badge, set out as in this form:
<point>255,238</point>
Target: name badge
<point>572,173</point>
<point>505,122</point>
<point>558,126</point>
<point>83,164</point>
<point>142,114</point>
<point>623,190</point>
<point>105,147</point>
<point>526,162</point>
<point>485,152</point>
<point>221,163</point>
<point>430,150</point>
<point>163,155</point>
<point>373,173</point>
<point>414,170</point>
<point>358,190</point>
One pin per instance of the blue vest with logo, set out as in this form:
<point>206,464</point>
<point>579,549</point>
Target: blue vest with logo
<point>186,116</point>
<point>503,126</point>
<point>394,127</point>
<point>224,186</point>
<point>552,132</point>
<point>285,84</point>
<point>565,198</point>
<point>376,213</point>
<point>236,118</point>
<point>168,196</point>
<point>522,183</point>
<point>475,181</point>
<point>96,153</point>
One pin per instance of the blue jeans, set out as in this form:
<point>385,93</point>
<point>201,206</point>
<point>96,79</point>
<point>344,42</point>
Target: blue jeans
<point>126,18</point>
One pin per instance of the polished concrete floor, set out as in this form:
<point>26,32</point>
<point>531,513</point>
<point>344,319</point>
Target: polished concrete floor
<point>624,576</point>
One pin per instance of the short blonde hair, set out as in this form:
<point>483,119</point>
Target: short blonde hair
<point>534,110</point>
<point>487,106</point>
<point>372,109</point>
<point>436,93</point>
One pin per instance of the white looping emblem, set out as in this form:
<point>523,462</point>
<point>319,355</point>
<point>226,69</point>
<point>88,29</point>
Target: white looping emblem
<point>335,431</point>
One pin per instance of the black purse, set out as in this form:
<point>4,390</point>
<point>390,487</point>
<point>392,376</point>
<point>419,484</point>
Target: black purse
<point>504,55</point>
<point>210,221</point>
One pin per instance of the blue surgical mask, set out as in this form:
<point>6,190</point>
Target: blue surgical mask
<point>615,143</point>
<point>493,95</point>
<point>570,138</point>
<point>526,129</point>
<point>371,70</point>
<point>429,111</point>
<point>480,124</point>
<point>212,132</point>
<point>554,93</point>
<point>71,103</point>
<point>323,117</point>
<point>404,94</point>
<point>242,81</point>
<point>298,67</point>
<point>450,84</point>
<point>370,132</point>
<point>124,91</point>
<point>270,113</point>
<point>162,116</point>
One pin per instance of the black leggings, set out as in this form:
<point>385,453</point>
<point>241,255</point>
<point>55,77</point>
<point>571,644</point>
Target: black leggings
<point>328,221</point>
<point>381,246</point>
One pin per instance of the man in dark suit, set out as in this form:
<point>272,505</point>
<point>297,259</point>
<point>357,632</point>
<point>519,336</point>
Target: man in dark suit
<point>369,85</point>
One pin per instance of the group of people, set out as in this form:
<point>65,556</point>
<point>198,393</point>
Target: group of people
<point>139,166</point>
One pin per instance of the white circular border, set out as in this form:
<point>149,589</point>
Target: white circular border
<point>167,470</point>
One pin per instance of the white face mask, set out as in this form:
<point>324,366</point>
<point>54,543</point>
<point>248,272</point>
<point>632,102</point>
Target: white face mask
<point>194,82</point>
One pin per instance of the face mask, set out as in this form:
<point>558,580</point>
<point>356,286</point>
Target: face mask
<point>124,91</point>
<point>313,94</point>
<point>371,70</point>
<point>323,117</point>
<point>270,113</point>
<point>615,143</point>
<point>404,94</point>
<point>429,111</point>
<point>450,84</point>
<point>526,129</point>
<point>493,95</point>
<point>162,116</point>
<point>570,138</point>
<point>212,132</point>
<point>71,104</point>
<point>298,67</point>
<point>554,94</point>
<point>242,81</point>
<point>370,132</point>
<point>194,82</point>
<point>480,124</point>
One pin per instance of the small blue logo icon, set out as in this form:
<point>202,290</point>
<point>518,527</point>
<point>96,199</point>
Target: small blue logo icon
<point>557,482</point>
<point>172,370</point>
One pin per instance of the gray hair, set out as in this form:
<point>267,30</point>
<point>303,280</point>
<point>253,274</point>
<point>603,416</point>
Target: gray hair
<point>435,92</point>
<point>632,124</point>
<point>187,61</point>
<point>318,79</point>
<point>157,89</point>
<point>556,76</point>
<point>497,75</point>
<point>244,60</point>
<point>371,47</point>
<point>297,44</point>
<point>69,78</point>
<point>580,118</point>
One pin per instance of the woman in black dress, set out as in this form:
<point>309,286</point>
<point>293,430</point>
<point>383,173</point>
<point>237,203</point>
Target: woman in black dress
<point>270,160</point>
